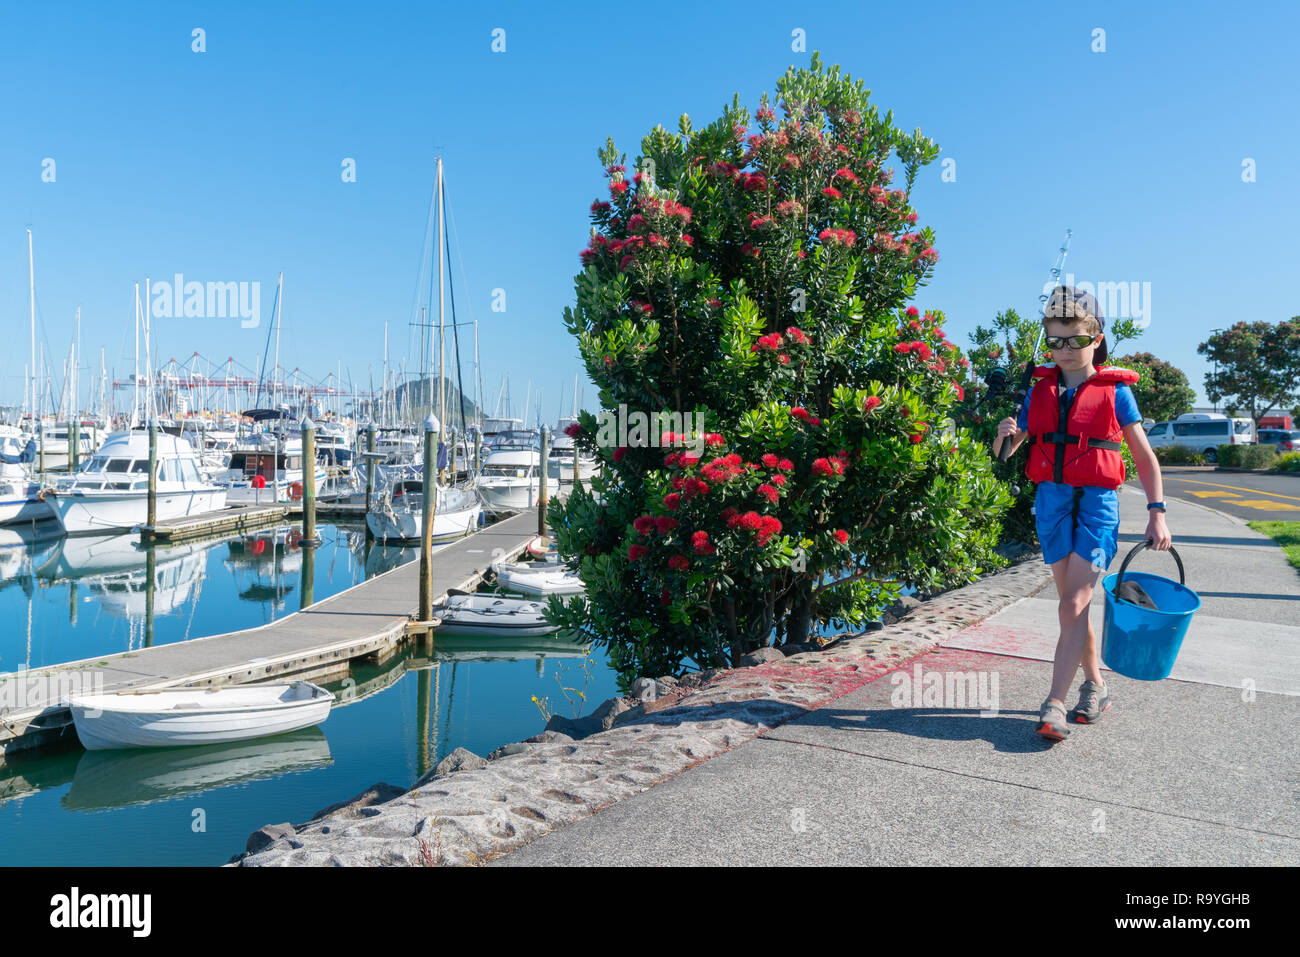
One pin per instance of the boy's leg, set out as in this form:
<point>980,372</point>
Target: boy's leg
<point>1075,588</point>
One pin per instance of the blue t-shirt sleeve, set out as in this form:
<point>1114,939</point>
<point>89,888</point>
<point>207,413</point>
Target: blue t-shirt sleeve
<point>1126,407</point>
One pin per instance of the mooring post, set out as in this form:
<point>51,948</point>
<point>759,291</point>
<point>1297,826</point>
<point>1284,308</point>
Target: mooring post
<point>74,443</point>
<point>152,514</point>
<point>478,450</point>
<point>309,537</point>
<point>305,591</point>
<point>541,487</point>
<point>429,498</point>
<point>370,465</point>
<point>150,574</point>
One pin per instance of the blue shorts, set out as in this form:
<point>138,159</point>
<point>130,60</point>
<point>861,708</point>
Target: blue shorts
<point>1095,534</point>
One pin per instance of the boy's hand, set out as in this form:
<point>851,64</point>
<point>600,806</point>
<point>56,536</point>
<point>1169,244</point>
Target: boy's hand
<point>1158,531</point>
<point>1007,431</point>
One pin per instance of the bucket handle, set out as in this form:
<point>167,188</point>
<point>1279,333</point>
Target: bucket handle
<point>1182,576</point>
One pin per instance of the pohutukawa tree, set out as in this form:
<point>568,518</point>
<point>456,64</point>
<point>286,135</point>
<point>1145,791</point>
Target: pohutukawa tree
<point>760,279</point>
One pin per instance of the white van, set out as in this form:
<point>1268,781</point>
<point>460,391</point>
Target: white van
<point>1203,432</point>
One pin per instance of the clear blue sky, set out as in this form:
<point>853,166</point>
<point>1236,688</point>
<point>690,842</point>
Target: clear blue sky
<point>225,165</point>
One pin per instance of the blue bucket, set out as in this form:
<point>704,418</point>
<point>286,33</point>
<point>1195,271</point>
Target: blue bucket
<point>1141,642</point>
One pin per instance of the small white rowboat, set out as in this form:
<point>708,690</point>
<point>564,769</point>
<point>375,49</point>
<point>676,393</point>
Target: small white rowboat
<point>160,719</point>
<point>490,615</point>
<point>538,578</point>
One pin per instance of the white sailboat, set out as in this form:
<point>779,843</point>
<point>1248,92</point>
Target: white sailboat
<point>397,513</point>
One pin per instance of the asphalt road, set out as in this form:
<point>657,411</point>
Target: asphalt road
<point>1253,496</point>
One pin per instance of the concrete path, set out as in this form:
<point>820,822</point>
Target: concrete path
<point>1193,770</point>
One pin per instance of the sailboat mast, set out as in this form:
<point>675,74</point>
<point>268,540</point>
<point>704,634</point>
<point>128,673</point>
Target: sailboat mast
<point>279,311</point>
<point>442,387</point>
<point>135,401</point>
<point>31,290</point>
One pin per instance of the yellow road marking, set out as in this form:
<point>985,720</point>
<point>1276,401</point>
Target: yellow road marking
<point>1267,504</point>
<point>1252,491</point>
<point>1207,494</point>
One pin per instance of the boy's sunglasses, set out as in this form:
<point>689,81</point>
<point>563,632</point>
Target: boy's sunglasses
<point>1074,342</point>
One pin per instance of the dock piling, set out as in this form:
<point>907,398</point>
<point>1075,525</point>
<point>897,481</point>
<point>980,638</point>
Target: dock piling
<point>370,466</point>
<point>309,537</point>
<point>541,488</point>
<point>152,515</point>
<point>428,502</point>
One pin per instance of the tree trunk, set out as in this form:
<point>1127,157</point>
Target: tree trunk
<point>799,623</point>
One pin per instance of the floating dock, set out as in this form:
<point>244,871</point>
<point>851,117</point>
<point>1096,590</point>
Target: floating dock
<point>370,620</point>
<point>240,518</point>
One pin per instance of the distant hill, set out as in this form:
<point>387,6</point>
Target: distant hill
<point>415,399</point>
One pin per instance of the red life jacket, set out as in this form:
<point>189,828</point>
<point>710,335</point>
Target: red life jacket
<point>1079,445</point>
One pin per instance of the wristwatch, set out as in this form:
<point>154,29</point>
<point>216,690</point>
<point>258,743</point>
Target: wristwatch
<point>1159,505</point>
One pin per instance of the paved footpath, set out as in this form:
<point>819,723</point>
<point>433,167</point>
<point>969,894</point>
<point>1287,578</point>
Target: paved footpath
<point>1197,769</point>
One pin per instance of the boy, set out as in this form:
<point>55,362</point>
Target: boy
<point>1075,412</point>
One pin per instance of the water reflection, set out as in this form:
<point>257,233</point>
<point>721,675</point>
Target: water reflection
<point>105,779</point>
<point>71,598</point>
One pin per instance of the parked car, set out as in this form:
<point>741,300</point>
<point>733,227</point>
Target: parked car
<point>1203,432</point>
<point>1286,440</point>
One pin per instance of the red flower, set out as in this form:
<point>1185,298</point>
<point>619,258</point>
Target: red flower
<point>636,552</point>
<point>618,187</point>
<point>751,521</point>
<point>871,402</point>
<point>700,542</point>
<point>903,348</point>
<point>822,467</point>
<point>799,412</point>
<point>755,181</point>
<point>665,524</point>
<point>715,303</point>
<point>832,192</point>
<point>609,361</point>
<point>733,458</point>
<point>664,597</point>
<point>915,437</point>
<point>769,525</point>
<point>572,429</point>
<point>777,479</point>
<point>599,206</point>
<point>644,524</point>
<point>797,335</point>
<point>961,393</point>
<point>619,453</point>
<point>689,459</point>
<point>785,465</point>
<point>783,359</point>
<point>913,312</point>
<point>672,459</point>
<point>769,492</point>
<point>769,460</point>
<point>713,438</point>
<point>749,250</point>
<point>672,500</point>
<point>679,562</point>
<point>841,536</point>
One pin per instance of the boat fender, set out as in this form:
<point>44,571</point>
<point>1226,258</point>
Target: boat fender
<point>295,490</point>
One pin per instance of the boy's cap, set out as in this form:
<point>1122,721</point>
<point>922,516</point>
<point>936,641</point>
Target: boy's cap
<point>1067,302</point>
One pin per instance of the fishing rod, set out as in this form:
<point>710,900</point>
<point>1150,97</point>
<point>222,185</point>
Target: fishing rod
<point>997,378</point>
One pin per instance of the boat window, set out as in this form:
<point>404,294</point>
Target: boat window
<point>189,473</point>
<point>169,471</point>
<point>139,465</point>
<point>118,465</point>
<point>96,464</point>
